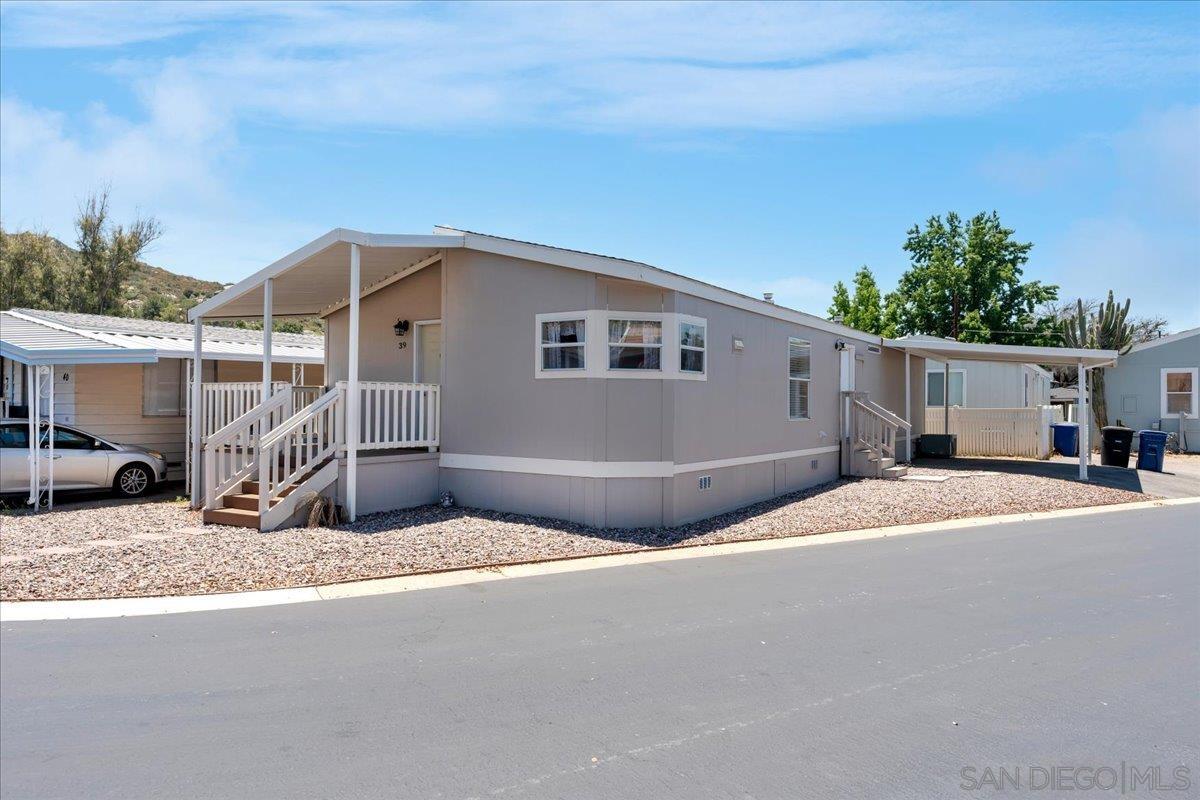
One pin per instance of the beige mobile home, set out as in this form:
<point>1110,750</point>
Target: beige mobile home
<point>126,379</point>
<point>535,379</point>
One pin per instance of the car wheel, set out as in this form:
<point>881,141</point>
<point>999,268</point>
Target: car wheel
<point>134,480</point>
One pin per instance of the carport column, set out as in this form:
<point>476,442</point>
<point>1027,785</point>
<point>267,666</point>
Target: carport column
<point>268,300</point>
<point>197,407</point>
<point>31,404</point>
<point>1081,415</point>
<point>946,397</point>
<point>50,437</point>
<point>352,399</point>
<point>908,403</point>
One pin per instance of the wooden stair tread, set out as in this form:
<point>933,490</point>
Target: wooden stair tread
<point>237,517</point>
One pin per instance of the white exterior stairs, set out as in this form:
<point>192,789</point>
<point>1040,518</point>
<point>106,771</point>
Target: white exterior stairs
<point>870,438</point>
<point>240,509</point>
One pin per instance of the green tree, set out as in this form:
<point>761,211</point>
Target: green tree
<point>154,307</point>
<point>28,270</point>
<point>1106,328</point>
<point>864,309</point>
<point>964,282</point>
<point>108,255</point>
<point>839,309</point>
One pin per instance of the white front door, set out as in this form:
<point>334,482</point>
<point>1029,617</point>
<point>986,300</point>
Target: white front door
<point>429,353</point>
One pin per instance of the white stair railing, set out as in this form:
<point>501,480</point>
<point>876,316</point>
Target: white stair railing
<point>298,446</point>
<point>230,453</point>
<point>873,426</point>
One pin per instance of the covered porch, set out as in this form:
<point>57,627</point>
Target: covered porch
<point>944,351</point>
<point>256,447</point>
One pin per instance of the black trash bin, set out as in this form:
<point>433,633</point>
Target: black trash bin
<point>1115,444</point>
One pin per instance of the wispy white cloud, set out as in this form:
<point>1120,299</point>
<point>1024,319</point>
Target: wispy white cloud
<point>612,66</point>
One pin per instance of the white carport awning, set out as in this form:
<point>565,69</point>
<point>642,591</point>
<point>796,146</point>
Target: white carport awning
<point>947,350</point>
<point>317,276</point>
<point>30,341</point>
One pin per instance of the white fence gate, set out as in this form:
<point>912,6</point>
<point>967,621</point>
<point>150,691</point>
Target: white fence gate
<point>1020,432</point>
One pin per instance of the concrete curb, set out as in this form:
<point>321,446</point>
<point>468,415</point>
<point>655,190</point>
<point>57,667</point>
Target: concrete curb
<point>37,610</point>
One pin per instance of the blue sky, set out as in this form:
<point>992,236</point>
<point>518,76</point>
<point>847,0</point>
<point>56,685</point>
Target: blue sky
<point>762,147</point>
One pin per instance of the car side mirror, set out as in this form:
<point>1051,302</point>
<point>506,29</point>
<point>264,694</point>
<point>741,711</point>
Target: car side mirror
<point>97,444</point>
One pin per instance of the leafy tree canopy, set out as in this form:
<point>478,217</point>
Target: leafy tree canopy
<point>964,282</point>
<point>864,309</point>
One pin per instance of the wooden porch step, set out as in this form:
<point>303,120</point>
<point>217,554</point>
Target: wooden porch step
<point>249,501</point>
<point>237,517</point>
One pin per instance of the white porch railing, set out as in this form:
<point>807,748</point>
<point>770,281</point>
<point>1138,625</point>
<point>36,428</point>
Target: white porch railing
<point>230,454</point>
<point>280,441</point>
<point>1019,432</point>
<point>397,415</point>
<point>222,403</point>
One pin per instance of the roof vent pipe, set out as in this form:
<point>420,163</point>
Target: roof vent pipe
<point>769,297</point>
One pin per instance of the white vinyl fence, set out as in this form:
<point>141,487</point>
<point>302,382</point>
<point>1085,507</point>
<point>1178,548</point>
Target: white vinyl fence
<point>1021,432</point>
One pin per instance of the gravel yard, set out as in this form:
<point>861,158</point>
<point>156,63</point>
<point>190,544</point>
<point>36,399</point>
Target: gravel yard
<point>125,549</point>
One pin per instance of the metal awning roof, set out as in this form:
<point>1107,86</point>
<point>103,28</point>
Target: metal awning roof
<point>35,342</point>
<point>946,349</point>
<point>172,339</point>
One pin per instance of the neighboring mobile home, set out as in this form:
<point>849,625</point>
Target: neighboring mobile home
<point>535,379</point>
<point>126,379</point>
<point>1156,386</point>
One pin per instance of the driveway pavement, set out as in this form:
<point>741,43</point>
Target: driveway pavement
<point>871,669</point>
<point>1179,478</point>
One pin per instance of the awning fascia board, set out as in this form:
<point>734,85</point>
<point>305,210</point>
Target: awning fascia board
<point>1023,354</point>
<point>75,356</point>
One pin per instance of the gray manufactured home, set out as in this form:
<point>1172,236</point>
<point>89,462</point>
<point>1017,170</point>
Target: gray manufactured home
<point>535,379</point>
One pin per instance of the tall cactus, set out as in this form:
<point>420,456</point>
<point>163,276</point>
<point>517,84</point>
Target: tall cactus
<point>1106,329</point>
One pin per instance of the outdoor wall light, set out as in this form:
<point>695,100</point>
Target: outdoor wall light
<point>401,327</point>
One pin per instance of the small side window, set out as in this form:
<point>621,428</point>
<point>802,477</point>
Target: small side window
<point>799,377</point>
<point>562,344</point>
<point>692,344</point>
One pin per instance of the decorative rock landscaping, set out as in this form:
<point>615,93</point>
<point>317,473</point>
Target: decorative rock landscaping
<point>126,549</point>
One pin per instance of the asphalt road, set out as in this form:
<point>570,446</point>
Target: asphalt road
<point>871,669</point>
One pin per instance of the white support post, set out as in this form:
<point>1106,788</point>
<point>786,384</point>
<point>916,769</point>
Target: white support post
<point>352,394</point>
<point>31,401</point>
<point>946,398</point>
<point>908,403</point>
<point>197,408</point>
<point>50,437</point>
<point>1081,415</point>
<point>268,303</point>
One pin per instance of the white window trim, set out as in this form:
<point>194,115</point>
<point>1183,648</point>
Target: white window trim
<point>588,336</point>
<point>680,321</point>
<point>595,350</point>
<point>942,372</point>
<point>1162,391</point>
<point>788,399</point>
<point>662,340</point>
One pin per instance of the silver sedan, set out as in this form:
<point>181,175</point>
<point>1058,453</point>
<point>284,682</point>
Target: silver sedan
<point>81,461</point>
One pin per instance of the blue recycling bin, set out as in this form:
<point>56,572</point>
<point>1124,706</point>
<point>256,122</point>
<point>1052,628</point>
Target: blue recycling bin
<point>1152,450</point>
<point>1066,438</point>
